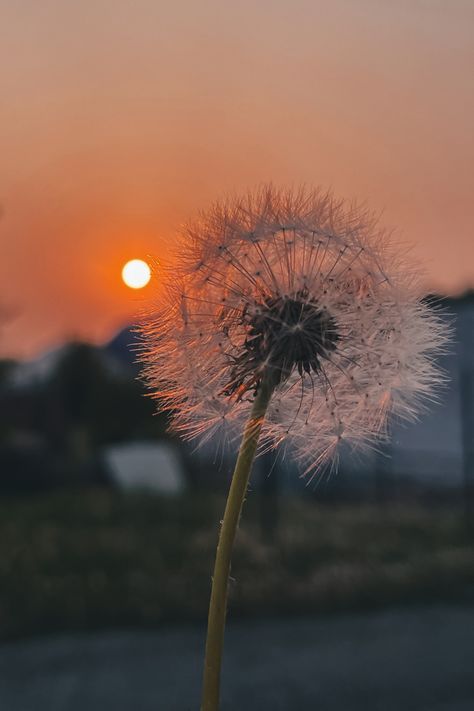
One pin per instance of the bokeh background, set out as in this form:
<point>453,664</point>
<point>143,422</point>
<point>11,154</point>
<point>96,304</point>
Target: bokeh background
<point>118,121</point>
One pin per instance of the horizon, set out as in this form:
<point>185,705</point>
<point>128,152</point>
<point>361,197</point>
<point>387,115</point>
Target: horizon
<point>117,331</point>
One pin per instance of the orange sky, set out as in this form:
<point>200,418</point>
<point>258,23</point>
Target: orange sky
<point>119,118</point>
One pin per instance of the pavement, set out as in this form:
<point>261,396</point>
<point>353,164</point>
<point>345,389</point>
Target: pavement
<point>416,659</point>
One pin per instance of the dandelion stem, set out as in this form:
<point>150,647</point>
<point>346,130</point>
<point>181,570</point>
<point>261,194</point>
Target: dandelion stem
<point>220,581</point>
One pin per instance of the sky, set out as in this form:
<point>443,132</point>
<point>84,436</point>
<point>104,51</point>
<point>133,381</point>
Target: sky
<point>120,119</point>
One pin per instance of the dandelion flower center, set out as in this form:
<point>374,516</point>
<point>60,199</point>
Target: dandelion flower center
<point>283,333</point>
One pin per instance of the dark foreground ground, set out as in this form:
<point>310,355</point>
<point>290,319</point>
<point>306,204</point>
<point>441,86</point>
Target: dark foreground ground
<point>87,560</point>
<point>408,659</point>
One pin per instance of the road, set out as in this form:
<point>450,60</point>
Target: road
<point>417,659</point>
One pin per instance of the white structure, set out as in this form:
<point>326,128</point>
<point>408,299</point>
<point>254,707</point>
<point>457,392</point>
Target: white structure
<point>146,465</point>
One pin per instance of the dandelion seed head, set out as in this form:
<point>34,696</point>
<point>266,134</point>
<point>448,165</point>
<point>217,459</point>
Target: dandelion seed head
<point>309,293</point>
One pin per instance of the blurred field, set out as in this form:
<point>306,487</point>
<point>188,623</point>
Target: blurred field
<point>91,559</point>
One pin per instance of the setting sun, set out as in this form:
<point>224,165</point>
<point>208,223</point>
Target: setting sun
<point>136,274</point>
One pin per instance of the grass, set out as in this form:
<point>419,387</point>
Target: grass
<point>91,559</point>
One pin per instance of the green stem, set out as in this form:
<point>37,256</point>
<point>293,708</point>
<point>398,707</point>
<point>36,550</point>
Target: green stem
<point>220,580</point>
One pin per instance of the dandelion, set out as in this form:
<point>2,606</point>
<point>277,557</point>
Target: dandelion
<point>290,316</point>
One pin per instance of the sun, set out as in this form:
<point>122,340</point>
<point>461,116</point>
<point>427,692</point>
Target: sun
<point>136,274</point>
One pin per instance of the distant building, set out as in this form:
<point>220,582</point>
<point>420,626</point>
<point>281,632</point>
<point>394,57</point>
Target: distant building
<point>439,447</point>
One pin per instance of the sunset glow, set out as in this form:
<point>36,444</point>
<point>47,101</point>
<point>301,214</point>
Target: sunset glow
<point>119,125</point>
<point>136,274</point>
